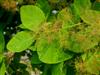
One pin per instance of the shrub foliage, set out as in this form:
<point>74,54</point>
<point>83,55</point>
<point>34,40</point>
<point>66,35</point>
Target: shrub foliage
<point>49,37</point>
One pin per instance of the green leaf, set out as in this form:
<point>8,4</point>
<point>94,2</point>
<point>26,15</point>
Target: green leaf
<point>94,62</point>
<point>65,15</point>
<point>80,46</point>
<point>2,42</point>
<point>54,1</point>
<point>96,6</point>
<point>1,57</point>
<point>83,40</point>
<point>50,51</point>
<point>21,41</point>
<point>75,15</point>
<point>35,58</point>
<point>2,69</point>
<point>91,62</point>
<point>20,1</point>
<point>86,13</point>
<point>67,18</point>
<point>22,26</point>
<point>51,18</point>
<point>33,48</point>
<point>82,4</point>
<point>58,69</point>
<point>44,5</point>
<point>47,69</point>
<point>32,17</point>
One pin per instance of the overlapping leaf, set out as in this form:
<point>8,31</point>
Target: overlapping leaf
<point>2,45</point>
<point>58,69</point>
<point>3,69</point>
<point>49,49</point>
<point>2,42</point>
<point>94,62</point>
<point>21,41</point>
<point>86,13</point>
<point>32,17</point>
<point>35,58</point>
<point>44,5</point>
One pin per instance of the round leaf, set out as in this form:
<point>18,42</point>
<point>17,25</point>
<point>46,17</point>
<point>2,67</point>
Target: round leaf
<point>86,13</point>
<point>21,41</point>
<point>51,52</point>
<point>31,17</point>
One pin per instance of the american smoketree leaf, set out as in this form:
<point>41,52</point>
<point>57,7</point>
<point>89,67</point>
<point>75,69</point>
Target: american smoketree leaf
<point>21,41</point>
<point>31,17</point>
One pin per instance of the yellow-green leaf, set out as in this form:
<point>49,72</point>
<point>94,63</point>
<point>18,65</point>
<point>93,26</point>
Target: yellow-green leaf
<point>31,17</point>
<point>21,41</point>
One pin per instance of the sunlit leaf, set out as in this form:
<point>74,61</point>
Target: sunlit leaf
<point>32,17</point>
<point>86,13</point>
<point>33,48</point>
<point>21,41</point>
<point>3,69</point>
<point>65,15</point>
<point>50,52</point>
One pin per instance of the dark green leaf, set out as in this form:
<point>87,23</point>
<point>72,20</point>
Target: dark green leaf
<point>35,58</point>
<point>44,5</point>
<point>2,41</point>
<point>58,69</point>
